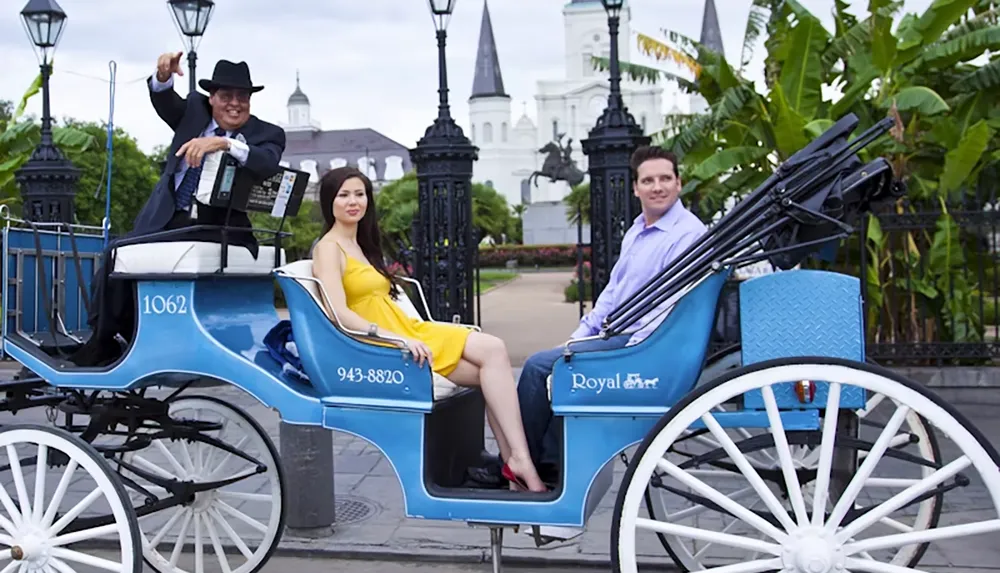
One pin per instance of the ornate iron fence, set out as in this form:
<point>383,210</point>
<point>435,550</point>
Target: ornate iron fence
<point>931,291</point>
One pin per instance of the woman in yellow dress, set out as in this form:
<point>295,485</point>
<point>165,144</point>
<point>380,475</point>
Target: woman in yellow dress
<point>348,261</point>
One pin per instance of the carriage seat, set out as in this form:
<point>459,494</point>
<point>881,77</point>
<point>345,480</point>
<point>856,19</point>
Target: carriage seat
<point>301,271</point>
<point>192,257</point>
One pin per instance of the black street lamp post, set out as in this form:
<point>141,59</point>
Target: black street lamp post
<point>443,241</point>
<point>48,179</point>
<point>191,17</point>
<point>608,148</point>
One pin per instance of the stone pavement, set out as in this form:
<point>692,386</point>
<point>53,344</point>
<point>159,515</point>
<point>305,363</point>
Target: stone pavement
<point>529,315</point>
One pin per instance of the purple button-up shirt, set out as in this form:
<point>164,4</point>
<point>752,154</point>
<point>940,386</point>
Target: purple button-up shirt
<point>644,254</point>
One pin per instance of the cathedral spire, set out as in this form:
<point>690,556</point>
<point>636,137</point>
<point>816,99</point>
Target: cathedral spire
<point>711,33</point>
<point>488,81</point>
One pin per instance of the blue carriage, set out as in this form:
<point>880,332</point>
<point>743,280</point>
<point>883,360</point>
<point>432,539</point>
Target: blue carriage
<point>774,457</point>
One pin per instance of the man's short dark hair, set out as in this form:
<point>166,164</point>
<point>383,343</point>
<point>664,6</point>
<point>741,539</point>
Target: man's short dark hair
<point>647,152</point>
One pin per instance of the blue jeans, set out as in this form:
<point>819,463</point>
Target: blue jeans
<point>536,411</point>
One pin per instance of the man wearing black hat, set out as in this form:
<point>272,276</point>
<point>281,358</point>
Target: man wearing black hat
<point>202,124</point>
<point>219,122</point>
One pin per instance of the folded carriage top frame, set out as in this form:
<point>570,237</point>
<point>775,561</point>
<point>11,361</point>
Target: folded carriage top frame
<point>808,203</point>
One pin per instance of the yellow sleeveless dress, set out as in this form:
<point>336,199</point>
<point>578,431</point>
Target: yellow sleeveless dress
<point>367,294</point>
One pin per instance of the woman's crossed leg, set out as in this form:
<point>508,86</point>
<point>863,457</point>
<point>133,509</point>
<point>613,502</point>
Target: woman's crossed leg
<point>485,363</point>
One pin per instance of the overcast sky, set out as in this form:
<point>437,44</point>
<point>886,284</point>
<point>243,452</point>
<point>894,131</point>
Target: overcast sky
<point>363,63</point>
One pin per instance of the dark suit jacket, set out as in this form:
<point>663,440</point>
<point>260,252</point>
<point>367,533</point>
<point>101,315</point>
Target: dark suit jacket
<point>189,118</point>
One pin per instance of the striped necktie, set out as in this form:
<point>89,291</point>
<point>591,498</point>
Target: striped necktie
<point>185,191</point>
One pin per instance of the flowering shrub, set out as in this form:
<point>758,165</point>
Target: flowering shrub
<point>397,269</point>
<point>530,255</point>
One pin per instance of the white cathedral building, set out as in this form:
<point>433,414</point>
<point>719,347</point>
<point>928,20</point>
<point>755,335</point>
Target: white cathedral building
<point>509,147</point>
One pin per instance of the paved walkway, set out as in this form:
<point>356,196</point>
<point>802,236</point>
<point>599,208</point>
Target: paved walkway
<point>529,314</point>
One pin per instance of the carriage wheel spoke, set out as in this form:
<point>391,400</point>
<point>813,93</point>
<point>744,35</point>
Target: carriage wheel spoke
<point>902,498</point>
<point>179,542</point>
<point>226,458</point>
<point>84,534</point>
<point>76,511</point>
<point>872,566</point>
<point>57,497</point>
<point>752,566</point>
<point>60,566</point>
<point>846,501</point>
<point>83,558</point>
<point>170,458</point>
<point>223,562</point>
<point>870,405</point>
<point>15,470</point>
<point>242,517</point>
<point>891,482</point>
<point>726,503</point>
<point>699,509</point>
<point>153,467</point>
<point>210,456</point>
<point>11,566</point>
<point>231,533</point>
<point>710,536</point>
<point>178,512</point>
<point>765,493</point>
<point>822,484</point>
<point>784,456</point>
<point>15,515</point>
<point>245,496</point>
<point>199,549</point>
<point>732,522</point>
<point>186,456</point>
<point>40,464</point>
<point>897,525</point>
<point>922,536</point>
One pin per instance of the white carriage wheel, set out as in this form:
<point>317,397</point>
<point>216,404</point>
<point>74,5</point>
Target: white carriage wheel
<point>927,516</point>
<point>804,541</point>
<point>213,517</point>
<point>33,536</point>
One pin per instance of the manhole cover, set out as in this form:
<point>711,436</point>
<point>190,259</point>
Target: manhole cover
<point>353,510</point>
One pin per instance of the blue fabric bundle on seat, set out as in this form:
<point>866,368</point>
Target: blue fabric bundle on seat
<point>280,343</point>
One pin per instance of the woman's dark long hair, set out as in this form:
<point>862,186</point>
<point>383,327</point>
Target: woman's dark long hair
<point>368,232</point>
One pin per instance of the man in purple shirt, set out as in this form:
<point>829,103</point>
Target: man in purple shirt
<point>657,236</point>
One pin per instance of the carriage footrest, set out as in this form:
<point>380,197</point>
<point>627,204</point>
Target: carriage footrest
<point>60,343</point>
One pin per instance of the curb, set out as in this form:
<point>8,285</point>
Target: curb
<point>500,284</point>
<point>292,547</point>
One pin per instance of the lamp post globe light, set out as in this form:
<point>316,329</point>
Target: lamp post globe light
<point>191,18</point>
<point>442,232</point>
<point>48,179</point>
<point>608,147</point>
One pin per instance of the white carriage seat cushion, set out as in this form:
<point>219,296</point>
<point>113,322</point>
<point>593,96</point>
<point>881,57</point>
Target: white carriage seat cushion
<point>443,387</point>
<point>192,257</point>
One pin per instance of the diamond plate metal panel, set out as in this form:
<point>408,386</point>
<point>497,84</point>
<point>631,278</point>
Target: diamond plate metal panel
<point>802,313</point>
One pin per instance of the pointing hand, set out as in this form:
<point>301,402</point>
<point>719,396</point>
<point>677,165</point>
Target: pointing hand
<point>167,65</point>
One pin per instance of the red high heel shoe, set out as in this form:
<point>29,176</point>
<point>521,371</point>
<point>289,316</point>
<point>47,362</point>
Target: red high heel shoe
<point>510,476</point>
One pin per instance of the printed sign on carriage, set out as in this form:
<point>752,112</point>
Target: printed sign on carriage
<point>632,381</point>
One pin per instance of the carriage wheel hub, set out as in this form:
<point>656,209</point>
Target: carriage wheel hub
<point>203,500</point>
<point>812,551</point>
<point>30,548</point>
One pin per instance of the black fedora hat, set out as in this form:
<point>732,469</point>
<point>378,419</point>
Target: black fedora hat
<point>230,75</point>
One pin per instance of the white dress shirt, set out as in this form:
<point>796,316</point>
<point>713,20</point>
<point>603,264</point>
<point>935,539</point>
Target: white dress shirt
<point>237,148</point>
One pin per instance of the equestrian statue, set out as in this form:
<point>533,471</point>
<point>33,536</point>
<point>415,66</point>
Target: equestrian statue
<point>558,165</point>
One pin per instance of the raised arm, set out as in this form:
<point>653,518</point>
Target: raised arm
<point>168,105</point>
